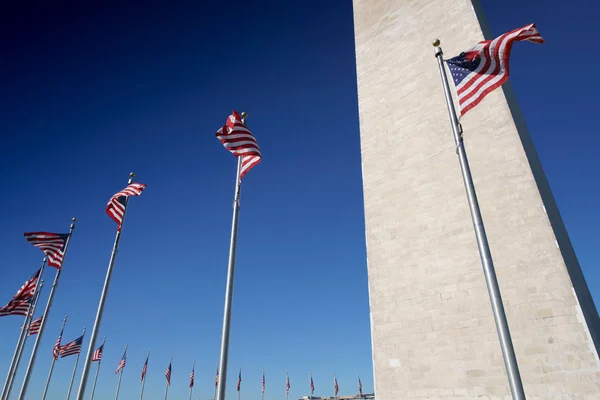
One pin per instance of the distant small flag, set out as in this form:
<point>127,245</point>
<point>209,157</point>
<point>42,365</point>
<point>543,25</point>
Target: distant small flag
<point>360,387</point>
<point>34,326</point>
<point>192,378</point>
<point>144,369</point>
<point>56,349</point>
<point>97,356</point>
<point>239,382</point>
<point>336,387</point>
<point>28,288</point>
<point>16,307</point>
<point>482,69</point>
<point>116,205</point>
<point>52,244</point>
<point>217,378</point>
<point>312,385</point>
<point>71,348</point>
<point>122,363</point>
<point>287,384</point>
<point>263,382</point>
<point>168,375</point>
<point>237,138</point>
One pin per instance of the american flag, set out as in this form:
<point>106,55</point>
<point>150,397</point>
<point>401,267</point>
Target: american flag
<point>16,307</point>
<point>122,363</point>
<point>34,326</point>
<point>263,382</point>
<point>484,68</point>
<point>312,385</point>
<point>71,348</point>
<point>168,375</point>
<point>359,387</point>
<point>97,356</point>
<point>52,244</point>
<point>144,369</point>
<point>192,378</point>
<point>28,288</point>
<point>237,138</point>
<point>217,378</point>
<point>287,384</point>
<point>56,349</point>
<point>336,387</point>
<point>116,205</point>
<point>239,382</point>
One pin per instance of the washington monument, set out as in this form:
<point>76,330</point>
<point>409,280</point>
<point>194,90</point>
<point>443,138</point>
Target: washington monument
<point>433,333</point>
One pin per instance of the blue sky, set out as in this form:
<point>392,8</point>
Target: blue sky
<point>91,93</point>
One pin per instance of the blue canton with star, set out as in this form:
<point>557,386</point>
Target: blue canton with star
<point>461,66</point>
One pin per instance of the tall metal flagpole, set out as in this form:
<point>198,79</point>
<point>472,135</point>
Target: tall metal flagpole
<point>311,386</point>
<point>144,380</point>
<point>229,287</point>
<point>508,352</point>
<point>20,344</point>
<point>120,377</point>
<point>16,360</point>
<point>38,339</point>
<point>52,365</point>
<point>74,370</point>
<point>287,379</point>
<point>97,371</point>
<point>99,312</point>
<point>262,387</point>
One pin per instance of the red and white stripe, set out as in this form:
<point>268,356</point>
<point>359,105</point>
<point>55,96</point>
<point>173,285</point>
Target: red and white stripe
<point>336,387</point>
<point>168,375</point>
<point>51,244</point>
<point>237,138</point>
<point>493,70</point>
<point>34,326</point>
<point>97,356</point>
<point>56,349</point>
<point>115,208</point>
<point>16,307</point>
<point>27,290</point>
<point>144,369</point>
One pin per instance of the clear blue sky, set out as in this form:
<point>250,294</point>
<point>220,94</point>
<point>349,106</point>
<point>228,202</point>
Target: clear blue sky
<point>90,93</point>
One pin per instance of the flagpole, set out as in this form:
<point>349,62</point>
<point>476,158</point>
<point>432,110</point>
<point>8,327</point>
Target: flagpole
<point>20,344</point>
<point>191,386</point>
<point>287,379</point>
<point>120,377</point>
<point>99,312</point>
<point>74,370</point>
<point>97,371</point>
<point>311,387</point>
<point>144,380</point>
<point>38,339</point>
<point>262,387</point>
<point>14,367</point>
<point>508,352</point>
<point>230,276</point>
<point>52,365</point>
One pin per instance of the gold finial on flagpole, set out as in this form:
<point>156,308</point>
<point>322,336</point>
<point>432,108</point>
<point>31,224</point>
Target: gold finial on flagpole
<point>244,115</point>
<point>436,43</point>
